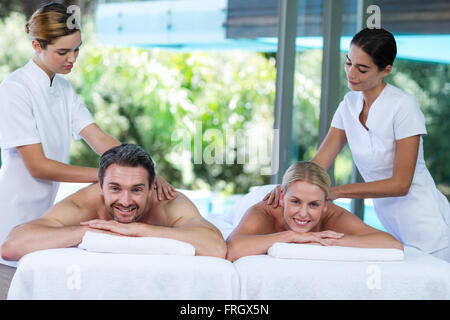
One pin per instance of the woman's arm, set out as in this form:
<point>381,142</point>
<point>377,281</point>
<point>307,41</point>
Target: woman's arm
<point>356,232</point>
<point>58,228</point>
<point>330,148</point>
<point>398,185</point>
<point>256,233</point>
<point>97,139</point>
<point>41,167</point>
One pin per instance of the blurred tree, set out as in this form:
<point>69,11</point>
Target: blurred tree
<point>7,6</point>
<point>158,99</point>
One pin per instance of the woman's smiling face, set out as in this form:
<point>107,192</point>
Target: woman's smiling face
<point>303,205</point>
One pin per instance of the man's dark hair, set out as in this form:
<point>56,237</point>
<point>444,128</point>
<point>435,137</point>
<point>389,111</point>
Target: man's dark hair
<point>379,44</point>
<point>127,155</point>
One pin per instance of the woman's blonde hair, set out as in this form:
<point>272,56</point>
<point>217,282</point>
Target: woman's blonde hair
<point>48,23</point>
<point>309,172</point>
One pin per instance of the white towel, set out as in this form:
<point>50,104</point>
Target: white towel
<point>332,253</point>
<point>101,242</point>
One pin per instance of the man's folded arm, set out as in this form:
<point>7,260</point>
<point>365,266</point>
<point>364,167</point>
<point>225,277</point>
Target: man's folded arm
<point>189,226</point>
<point>53,230</point>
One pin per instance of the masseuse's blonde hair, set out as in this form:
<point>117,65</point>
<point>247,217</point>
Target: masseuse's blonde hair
<point>48,23</point>
<point>309,172</point>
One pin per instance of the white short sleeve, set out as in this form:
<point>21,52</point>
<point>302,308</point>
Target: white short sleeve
<point>337,121</point>
<point>80,116</point>
<point>408,119</point>
<point>17,123</point>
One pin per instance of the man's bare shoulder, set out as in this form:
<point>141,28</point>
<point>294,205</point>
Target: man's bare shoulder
<point>80,206</point>
<point>179,207</point>
<point>88,197</point>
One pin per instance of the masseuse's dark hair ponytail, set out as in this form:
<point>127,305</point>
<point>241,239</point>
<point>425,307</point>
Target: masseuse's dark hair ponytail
<point>379,44</point>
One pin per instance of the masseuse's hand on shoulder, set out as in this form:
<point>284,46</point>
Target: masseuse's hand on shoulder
<point>273,197</point>
<point>164,190</point>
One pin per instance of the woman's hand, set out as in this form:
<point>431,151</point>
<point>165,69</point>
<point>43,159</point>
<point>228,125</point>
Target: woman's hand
<point>273,197</point>
<point>324,238</point>
<point>163,188</point>
<point>332,194</point>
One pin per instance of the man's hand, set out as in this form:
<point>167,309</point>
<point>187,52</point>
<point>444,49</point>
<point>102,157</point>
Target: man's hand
<point>113,227</point>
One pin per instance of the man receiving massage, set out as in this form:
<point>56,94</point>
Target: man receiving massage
<point>123,203</point>
<point>304,217</point>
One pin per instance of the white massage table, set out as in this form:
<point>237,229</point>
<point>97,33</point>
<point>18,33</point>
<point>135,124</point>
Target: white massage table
<point>78,274</point>
<point>418,276</point>
<point>74,274</point>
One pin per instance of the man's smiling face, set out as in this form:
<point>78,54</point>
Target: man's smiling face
<point>126,192</point>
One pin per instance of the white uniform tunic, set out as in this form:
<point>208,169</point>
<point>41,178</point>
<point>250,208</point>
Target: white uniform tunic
<point>421,218</point>
<point>32,111</point>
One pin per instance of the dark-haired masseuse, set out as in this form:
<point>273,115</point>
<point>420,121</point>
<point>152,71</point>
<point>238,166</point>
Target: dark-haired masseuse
<point>383,127</point>
<point>123,203</point>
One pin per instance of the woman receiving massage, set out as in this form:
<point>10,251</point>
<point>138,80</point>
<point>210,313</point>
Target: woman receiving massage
<point>383,127</point>
<point>304,216</point>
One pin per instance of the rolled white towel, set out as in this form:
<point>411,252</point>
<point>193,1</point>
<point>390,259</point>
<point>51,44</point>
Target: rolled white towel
<point>101,242</point>
<point>334,253</point>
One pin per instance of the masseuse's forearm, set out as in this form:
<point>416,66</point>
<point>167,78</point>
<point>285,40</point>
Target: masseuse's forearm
<point>206,241</point>
<point>246,245</point>
<point>58,171</point>
<point>373,240</point>
<point>103,143</point>
<point>28,238</point>
<point>376,189</point>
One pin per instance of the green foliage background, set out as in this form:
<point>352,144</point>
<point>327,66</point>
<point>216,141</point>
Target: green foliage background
<point>157,98</point>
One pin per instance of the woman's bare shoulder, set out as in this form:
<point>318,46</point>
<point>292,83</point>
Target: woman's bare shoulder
<point>262,218</point>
